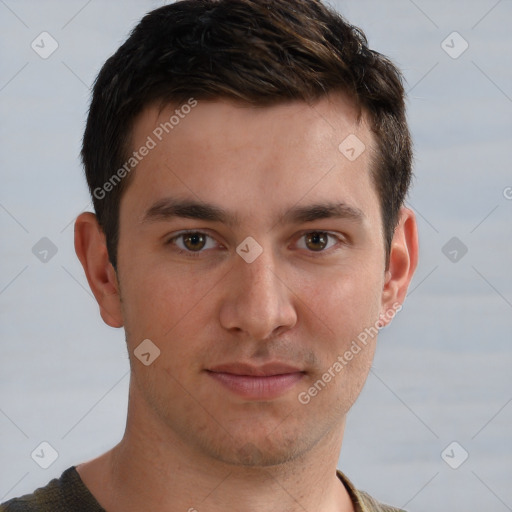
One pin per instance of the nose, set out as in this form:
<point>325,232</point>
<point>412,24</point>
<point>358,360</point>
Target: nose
<point>258,300</point>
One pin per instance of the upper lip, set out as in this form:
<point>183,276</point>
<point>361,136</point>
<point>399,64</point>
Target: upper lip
<point>265,370</point>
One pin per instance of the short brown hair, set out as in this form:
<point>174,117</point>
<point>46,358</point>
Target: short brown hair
<point>260,52</point>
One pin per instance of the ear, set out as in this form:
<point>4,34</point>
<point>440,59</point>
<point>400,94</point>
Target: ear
<point>403,260</point>
<point>91,249</point>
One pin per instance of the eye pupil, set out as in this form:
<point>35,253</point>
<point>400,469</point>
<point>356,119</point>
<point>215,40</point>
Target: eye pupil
<point>317,238</point>
<point>194,239</point>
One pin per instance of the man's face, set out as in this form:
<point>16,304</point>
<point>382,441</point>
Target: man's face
<point>317,284</point>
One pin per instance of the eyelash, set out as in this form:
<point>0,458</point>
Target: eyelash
<point>197,254</point>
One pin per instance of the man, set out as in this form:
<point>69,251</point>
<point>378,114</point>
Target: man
<point>248,162</point>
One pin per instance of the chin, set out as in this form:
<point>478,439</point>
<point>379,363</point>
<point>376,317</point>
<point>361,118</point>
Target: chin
<point>263,451</point>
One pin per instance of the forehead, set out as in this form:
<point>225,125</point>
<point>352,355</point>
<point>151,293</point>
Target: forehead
<point>254,158</point>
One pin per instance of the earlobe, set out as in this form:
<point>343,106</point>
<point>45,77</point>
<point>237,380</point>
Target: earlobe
<point>403,260</point>
<point>91,249</point>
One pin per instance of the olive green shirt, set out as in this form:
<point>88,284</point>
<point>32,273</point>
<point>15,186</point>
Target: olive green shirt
<point>69,494</point>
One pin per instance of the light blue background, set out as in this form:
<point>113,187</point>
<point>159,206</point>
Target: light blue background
<point>442,370</point>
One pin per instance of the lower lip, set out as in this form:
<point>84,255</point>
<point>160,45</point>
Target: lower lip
<point>257,388</point>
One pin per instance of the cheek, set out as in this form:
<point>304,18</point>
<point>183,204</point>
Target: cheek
<point>345,302</point>
<point>340,318</point>
<point>165,305</point>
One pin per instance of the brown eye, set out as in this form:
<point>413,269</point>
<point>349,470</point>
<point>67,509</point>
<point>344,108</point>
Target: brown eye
<point>316,241</point>
<point>194,241</point>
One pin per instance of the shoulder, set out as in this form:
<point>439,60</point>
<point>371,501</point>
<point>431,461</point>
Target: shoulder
<point>372,505</point>
<point>363,501</point>
<point>60,495</point>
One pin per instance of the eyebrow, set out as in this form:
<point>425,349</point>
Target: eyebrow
<point>168,208</point>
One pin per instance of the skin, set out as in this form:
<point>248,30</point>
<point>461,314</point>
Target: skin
<point>190,443</point>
